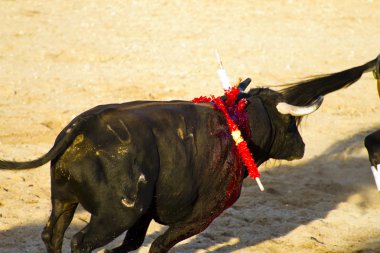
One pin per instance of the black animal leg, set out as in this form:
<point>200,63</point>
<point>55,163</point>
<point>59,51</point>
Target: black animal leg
<point>134,237</point>
<point>372,144</point>
<point>60,218</point>
<point>101,230</point>
<point>175,234</point>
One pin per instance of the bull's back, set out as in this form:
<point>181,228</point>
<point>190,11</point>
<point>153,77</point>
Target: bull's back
<point>117,144</point>
<point>112,149</point>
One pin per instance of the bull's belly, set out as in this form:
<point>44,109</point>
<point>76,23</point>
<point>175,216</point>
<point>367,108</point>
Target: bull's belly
<point>173,206</point>
<point>196,205</point>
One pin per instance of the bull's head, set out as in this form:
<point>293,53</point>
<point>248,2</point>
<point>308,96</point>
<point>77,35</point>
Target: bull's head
<point>273,115</point>
<point>273,124</point>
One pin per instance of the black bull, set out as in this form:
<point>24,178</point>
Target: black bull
<point>372,144</point>
<point>173,162</point>
<point>372,141</point>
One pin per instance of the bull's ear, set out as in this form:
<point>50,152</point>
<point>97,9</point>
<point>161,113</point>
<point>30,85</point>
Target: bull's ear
<point>244,84</point>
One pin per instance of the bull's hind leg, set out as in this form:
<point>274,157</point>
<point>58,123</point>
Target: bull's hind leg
<point>60,218</point>
<point>134,237</point>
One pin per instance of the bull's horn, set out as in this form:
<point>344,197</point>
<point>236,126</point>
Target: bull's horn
<point>244,84</point>
<point>285,108</point>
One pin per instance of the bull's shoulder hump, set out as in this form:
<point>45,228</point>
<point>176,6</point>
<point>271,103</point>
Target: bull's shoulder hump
<point>173,104</point>
<point>143,104</point>
<point>110,110</point>
<point>107,108</point>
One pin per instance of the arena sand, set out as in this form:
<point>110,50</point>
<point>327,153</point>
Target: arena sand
<point>59,58</point>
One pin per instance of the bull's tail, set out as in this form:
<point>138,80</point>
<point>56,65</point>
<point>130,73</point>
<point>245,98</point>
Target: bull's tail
<point>65,138</point>
<point>307,91</point>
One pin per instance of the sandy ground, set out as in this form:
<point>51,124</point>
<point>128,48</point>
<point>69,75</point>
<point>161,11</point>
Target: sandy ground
<point>58,58</point>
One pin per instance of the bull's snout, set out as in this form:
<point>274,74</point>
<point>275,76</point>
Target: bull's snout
<point>297,153</point>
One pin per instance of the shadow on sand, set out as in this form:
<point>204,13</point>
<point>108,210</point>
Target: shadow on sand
<point>294,196</point>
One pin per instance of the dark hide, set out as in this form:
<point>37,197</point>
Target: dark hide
<point>174,162</point>
<point>372,144</point>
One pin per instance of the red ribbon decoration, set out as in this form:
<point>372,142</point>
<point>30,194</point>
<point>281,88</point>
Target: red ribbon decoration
<point>241,144</point>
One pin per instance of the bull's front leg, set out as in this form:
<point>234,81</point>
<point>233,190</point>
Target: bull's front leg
<point>176,233</point>
<point>134,237</point>
<point>372,144</point>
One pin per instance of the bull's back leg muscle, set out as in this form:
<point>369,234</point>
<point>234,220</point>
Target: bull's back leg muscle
<point>112,180</point>
<point>60,218</point>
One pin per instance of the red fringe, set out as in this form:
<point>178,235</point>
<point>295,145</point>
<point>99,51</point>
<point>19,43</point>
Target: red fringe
<point>243,149</point>
<point>203,99</point>
<point>232,95</point>
<point>242,104</point>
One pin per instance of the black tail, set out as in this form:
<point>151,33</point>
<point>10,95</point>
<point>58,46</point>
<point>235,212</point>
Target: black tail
<point>65,138</point>
<point>307,91</point>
